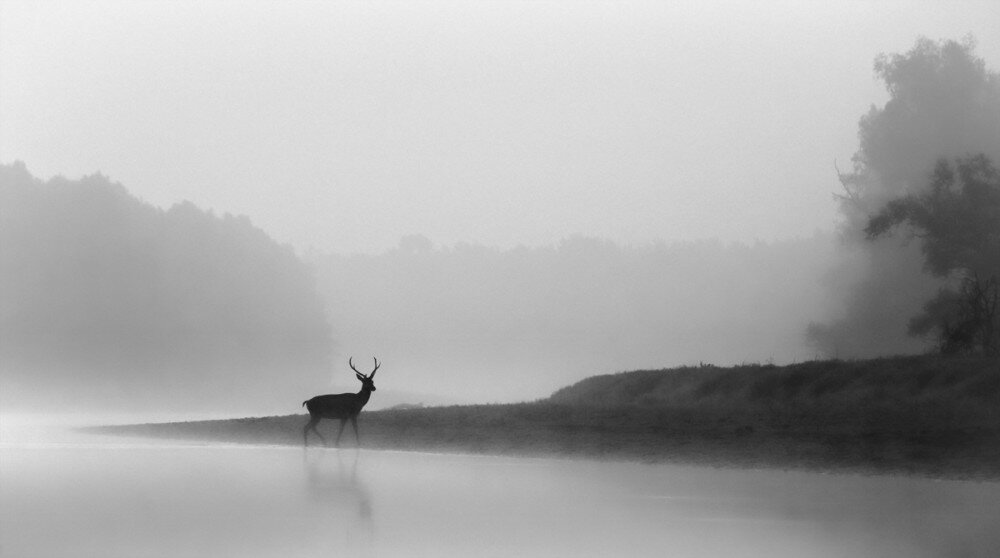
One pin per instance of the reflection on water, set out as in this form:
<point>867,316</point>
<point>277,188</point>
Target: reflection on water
<point>332,480</point>
<point>93,496</point>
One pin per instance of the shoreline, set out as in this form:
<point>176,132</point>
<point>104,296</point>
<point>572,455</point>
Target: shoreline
<point>829,471</point>
<point>714,449</point>
<point>927,416</point>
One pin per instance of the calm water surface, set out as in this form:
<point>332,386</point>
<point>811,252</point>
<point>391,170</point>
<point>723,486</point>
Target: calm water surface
<point>92,496</point>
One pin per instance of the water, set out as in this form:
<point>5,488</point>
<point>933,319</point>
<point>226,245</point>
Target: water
<point>92,496</point>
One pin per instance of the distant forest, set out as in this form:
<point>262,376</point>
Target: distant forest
<point>125,303</point>
<point>509,323</point>
<point>107,299</point>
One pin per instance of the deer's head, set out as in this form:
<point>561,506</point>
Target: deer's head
<point>367,382</point>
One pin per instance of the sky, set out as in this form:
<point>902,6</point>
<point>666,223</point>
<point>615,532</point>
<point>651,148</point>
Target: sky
<point>344,126</point>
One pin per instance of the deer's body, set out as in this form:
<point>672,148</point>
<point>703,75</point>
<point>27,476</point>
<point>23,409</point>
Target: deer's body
<point>339,406</point>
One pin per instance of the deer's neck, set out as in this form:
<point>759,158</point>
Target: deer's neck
<point>363,395</point>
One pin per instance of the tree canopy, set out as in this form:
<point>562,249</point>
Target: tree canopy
<point>957,220</point>
<point>943,103</point>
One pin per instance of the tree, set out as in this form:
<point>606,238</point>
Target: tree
<point>943,102</point>
<point>957,220</point>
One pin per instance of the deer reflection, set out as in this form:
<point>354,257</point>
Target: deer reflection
<point>332,483</point>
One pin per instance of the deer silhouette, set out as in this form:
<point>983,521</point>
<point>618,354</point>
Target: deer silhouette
<point>340,406</point>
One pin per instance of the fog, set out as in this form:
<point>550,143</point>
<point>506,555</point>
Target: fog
<point>346,126</point>
<point>210,207</point>
<point>484,324</point>
<point>112,304</point>
<point>944,103</point>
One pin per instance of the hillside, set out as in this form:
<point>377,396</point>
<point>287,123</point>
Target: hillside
<point>861,384</point>
<point>915,415</point>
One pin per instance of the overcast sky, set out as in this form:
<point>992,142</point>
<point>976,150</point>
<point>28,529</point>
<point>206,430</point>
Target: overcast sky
<point>343,126</point>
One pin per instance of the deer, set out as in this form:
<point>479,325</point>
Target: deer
<point>340,406</point>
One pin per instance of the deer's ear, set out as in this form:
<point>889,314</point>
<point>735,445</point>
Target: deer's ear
<point>360,377</point>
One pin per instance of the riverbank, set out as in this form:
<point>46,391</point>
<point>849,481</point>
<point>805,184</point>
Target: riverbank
<point>923,416</point>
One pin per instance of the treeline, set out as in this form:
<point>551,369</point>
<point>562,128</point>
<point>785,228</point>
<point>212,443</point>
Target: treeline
<point>509,324</point>
<point>114,299</point>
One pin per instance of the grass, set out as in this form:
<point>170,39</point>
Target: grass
<point>927,416</point>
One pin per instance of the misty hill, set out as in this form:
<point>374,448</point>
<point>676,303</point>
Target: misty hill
<point>515,324</point>
<point>848,385</point>
<point>108,301</point>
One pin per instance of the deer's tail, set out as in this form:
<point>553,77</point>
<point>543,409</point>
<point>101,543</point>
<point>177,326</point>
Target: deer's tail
<point>304,402</point>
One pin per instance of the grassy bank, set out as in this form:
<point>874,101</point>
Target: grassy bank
<point>916,415</point>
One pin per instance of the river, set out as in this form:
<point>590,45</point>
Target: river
<point>80,495</point>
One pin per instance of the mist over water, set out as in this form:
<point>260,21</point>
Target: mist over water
<point>496,200</point>
<point>115,498</point>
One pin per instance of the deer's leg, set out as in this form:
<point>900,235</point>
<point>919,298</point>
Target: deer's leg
<point>316,430</point>
<point>313,421</point>
<point>343,423</point>
<point>354,423</point>
<point>305,431</point>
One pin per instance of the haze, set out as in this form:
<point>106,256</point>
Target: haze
<point>497,199</point>
<point>345,126</point>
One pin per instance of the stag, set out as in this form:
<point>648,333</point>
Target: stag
<point>340,406</point>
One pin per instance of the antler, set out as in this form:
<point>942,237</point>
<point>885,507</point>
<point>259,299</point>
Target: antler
<point>358,372</point>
